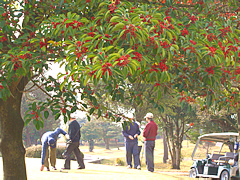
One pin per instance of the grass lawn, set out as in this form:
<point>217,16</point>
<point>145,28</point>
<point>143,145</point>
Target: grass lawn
<point>114,153</point>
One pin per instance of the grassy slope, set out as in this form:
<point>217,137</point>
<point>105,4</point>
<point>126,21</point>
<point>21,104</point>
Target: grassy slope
<point>114,153</point>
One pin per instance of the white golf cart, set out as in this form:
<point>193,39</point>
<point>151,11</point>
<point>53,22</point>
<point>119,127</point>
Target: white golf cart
<point>216,156</point>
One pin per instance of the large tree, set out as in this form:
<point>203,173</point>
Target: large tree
<point>189,46</point>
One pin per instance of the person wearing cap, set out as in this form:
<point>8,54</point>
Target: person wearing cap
<point>130,134</point>
<point>49,139</point>
<point>73,146</point>
<point>149,134</point>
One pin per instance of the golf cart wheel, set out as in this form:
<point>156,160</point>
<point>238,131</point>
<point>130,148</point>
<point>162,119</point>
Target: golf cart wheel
<point>193,173</point>
<point>224,175</point>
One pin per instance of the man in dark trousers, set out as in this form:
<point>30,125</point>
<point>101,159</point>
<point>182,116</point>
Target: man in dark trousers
<point>49,139</point>
<point>131,141</point>
<point>150,133</point>
<point>73,145</point>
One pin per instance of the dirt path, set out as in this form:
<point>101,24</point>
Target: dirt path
<point>92,172</point>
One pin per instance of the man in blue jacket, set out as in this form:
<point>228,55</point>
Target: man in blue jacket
<point>131,142</point>
<point>49,139</point>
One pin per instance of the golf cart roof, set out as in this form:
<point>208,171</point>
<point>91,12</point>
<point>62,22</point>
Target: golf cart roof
<point>218,137</point>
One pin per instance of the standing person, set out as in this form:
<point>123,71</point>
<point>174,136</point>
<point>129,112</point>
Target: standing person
<point>150,133</point>
<point>75,134</point>
<point>140,142</point>
<point>131,142</point>
<point>49,139</point>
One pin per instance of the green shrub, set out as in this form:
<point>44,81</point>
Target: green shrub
<point>35,152</point>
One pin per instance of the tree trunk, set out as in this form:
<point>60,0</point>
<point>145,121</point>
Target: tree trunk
<point>106,140</point>
<point>91,145</point>
<point>238,122</point>
<point>11,145</point>
<point>165,148</point>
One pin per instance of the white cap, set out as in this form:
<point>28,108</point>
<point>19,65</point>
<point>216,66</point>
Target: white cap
<point>130,116</point>
<point>149,115</point>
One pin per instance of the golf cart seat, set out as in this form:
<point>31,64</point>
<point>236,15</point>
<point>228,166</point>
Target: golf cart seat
<point>228,156</point>
<point>216,156</point>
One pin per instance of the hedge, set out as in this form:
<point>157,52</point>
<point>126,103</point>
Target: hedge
<point>35,152</point>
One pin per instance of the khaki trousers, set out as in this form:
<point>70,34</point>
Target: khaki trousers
<point>52,156</point>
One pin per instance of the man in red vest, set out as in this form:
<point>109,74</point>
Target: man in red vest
<point>149,134</point>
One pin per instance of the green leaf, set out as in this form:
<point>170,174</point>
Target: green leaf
<point>57,116</point>
<point>91,110</point>
<point>46,114</point>
<point>27,121</point>
<point>118,26</point>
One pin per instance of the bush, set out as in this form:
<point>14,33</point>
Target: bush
<point>119,162</point>
<point>35,152</point>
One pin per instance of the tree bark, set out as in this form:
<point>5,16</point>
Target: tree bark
<point>106,140</point>
<point>165,149</point>
<point>11,145</point>
<point>238,122</point>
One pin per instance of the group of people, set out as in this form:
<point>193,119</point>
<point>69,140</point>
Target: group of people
<point>49,139</point>
<point>131,133</point>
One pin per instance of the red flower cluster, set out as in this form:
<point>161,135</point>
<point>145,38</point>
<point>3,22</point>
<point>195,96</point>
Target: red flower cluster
<point>165,44</point>
<point>162,66</point>
<point>17,63</point>
<point>184,32</point>
<point>123,60</point>
<point>3,39</point>
<point>192,49</point>
<point>106,67</point>
<point>160,27</point>
<point>92,73</point>
<point>185,98</point>
<point>193,42</point>
<point>1,87</point>
<point>146,18</point>
<point>75,24</point>
<point>35,115</point>
<point>55,24</point>
<point>138,56</point>
<point>193,19</point>
<point>156,85</point>
<point>112,7</point>
<point>212,50</point>
<point>237,71</point>
<point>210,70</point>
<point>225,31</point>
<point>130,29</point>
<point>151,41</point>
<point>43,43</point>
<point>211,37</point>
<point>80,51</point>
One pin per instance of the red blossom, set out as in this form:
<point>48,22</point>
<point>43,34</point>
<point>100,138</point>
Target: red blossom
<point>3,39</point>
<point>138,56</point>
<point>123,60</point>
<point>212,51</point>
<point>106,67</point>
<point>156,85</point>
<point>211,37</point>
<point>184,32</point>
<point>210,70</point>
<point>193,42</point>
<point>193,19</point>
